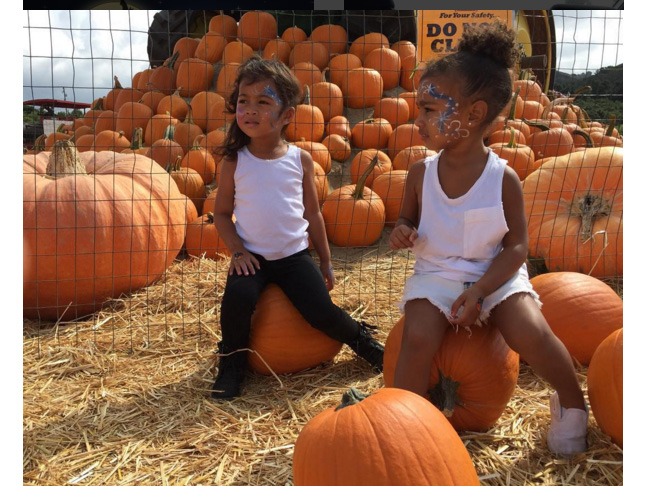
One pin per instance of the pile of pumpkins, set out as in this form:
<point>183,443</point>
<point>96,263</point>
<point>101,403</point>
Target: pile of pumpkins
<point>110,200</point>
<point>175,114</point>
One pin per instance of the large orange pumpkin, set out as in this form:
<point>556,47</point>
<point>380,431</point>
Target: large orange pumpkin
<point>605,386</point>
<point>392,437</point>
<point>472,378</point>
<point>581,310</point>
<point>574,207</point>
<point>283,338</point>
<point>112,226</point>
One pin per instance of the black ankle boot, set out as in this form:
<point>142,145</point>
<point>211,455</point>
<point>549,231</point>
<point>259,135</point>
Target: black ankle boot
<point>367,347</point>
<point>231,373</point>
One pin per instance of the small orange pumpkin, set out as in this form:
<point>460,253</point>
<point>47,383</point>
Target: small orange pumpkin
<point>257,28</point>
<point>372,133</point>
<point>362,87</point>
<point>366,158</point>
<point>390,186</point>
<point>354,215</point>
<point>203,238</point>
<point>406,157</point>
<point>395,110</point>
<point>308,122</point>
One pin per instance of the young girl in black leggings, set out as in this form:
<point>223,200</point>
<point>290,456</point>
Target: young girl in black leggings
<point>269,186</point>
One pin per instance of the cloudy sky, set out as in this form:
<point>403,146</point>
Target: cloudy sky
<point>83,50</point>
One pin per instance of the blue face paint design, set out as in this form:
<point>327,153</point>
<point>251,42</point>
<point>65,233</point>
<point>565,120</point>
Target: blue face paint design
<point>268,91</point>
<point>451,105</point>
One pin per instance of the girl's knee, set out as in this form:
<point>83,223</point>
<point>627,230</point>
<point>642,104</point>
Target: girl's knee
<point>421,334</point>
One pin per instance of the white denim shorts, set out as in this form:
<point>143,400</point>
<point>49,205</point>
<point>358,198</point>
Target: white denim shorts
<point>442,292</point>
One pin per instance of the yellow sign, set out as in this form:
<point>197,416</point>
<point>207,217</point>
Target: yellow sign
<point>439,31</point>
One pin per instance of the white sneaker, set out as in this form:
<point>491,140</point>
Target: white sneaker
<point>568,430</point>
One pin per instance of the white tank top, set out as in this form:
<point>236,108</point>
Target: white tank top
<point>458,238</point>
<point>269,204</point>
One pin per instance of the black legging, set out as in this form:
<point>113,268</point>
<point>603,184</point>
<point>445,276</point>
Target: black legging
<point>301,280</point>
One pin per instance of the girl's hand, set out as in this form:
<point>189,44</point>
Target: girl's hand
<point>243,263</point>
<point>403,236</point>
<point>327,272</point>
<point>471,300</point>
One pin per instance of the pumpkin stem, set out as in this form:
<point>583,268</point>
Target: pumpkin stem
<point>169,132</point>
<point>39,143</point>
<point>586,136</point>
<point>117,84</point>
<point>511,115</point>
<point>171,62</point>
<point>610,129</point>
<point>359,189</point>
<point>210,217</point>
<point>414,70</point>
<point>511,143</point>
<point>174,166</point>
<point>351,397</point>
<point>137,139</point>
<point>589,207</point>
<point>537,124</point>
<point>64,160</point>
<point>557,101</point>
<point>98,105</point>
<point>444,395</point>
<point>307,100</point>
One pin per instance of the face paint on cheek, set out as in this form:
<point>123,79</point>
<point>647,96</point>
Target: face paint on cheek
<point>451,105</point>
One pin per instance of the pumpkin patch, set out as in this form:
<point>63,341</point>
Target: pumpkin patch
<point>123,280</point>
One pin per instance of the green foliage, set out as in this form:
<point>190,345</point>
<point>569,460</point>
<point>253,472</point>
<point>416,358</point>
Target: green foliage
<point>604,99</point>
<point>30,115</point>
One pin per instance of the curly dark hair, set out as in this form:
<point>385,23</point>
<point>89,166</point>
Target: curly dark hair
<point>482,62</point>
<point>252,70</point>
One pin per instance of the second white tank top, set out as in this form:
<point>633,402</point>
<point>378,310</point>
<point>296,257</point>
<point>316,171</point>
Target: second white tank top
<point>459,238</point>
